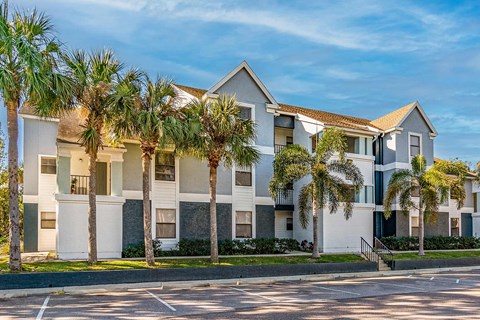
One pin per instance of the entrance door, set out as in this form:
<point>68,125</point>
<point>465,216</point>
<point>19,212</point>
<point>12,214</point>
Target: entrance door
<point>101,177</point>
<point>467,226</point>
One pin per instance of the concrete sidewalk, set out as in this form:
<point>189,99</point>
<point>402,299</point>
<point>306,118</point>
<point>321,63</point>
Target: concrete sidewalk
<point>189,284</point>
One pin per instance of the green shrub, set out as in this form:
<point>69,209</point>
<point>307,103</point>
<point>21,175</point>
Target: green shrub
<point>431,243</point>
<point>138,250</point>
<point>196,247</point>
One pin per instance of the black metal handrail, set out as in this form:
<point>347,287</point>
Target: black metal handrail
<point>79,184</point>
<point>383,252</point>
<point>284,197</point>
<point>368,252</point>
<point>279,147</point>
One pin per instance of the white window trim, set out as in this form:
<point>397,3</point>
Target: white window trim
<point>410,134</point>
<point>40,156</point>
<point>235,207</point>
<point>411,224</point>
<point>153,208</point>
<point>234,214</point>
<point>248,105</point>
<point>176,225</point>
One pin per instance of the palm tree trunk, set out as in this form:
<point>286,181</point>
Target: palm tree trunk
<point>421,231</point>
<point>92,210</point>
<point>213,215</point>
<point>147,216</point>
<point>12,123</point>
<point>315,253</point>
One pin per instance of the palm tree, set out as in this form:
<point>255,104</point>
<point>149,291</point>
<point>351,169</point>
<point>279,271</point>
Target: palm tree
<point>223,136</point>
<point>153,119</point>
<point>432,187</point>
<point>295,162</point>
<point>29,75</point>
<point>96,76</point>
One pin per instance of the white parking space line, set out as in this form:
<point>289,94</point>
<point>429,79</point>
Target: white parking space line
<point>336,290</point>
<point>254,294</point>
<point>162,301</point>
<point>42,309</point>
<point>399,285</point>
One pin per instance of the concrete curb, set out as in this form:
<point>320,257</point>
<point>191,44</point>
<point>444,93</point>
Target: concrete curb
<point>74,290</point>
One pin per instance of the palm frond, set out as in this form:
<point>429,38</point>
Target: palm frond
<point>332,140</point>
<point>305,199</point>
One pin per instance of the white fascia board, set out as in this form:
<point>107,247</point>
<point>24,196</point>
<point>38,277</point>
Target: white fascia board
<point>33,117</point>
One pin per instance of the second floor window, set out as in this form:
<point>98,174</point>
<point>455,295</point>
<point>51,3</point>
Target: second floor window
<point>164,166</point>
<point>48,165</point>
<point>245,113</point>
<point>414,145</point>
<point>314,143</point>
<point>243,176</point>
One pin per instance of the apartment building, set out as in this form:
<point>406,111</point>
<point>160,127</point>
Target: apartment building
<point>56,180</point>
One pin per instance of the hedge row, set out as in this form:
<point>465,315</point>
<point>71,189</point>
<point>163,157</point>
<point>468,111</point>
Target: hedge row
<point>431,243</point>
<point>186,247</point>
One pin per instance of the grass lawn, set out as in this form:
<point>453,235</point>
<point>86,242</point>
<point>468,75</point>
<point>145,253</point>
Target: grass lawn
<point>60,266</point>
<point>3,247</point>
<point>437,255</point>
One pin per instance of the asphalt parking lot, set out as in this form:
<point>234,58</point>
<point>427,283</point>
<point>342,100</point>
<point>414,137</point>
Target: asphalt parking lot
<point>443,296</point>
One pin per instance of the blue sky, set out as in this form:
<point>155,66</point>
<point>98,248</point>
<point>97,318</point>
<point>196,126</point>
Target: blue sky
<point>361,58</point>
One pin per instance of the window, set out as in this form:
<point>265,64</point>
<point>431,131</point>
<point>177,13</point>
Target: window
<point>48,220</point>
<point>289,140</point>
<point>164,166</point>
<point>48,165</point>
<point>414,226</point>
<point>352,144</point>
<point>166,223</point>
<point>414,145</point>
<point>314,139</point>
<point>289,224</point>
<point>475,202</point>
<point>454,227</point>
<point>243,176</point>
<point>243,224</point>
<point>245,113</point>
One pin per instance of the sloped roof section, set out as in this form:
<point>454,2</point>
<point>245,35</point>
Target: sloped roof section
<point>393,119</point>
<point>329,118</point>
<point>196,92</point>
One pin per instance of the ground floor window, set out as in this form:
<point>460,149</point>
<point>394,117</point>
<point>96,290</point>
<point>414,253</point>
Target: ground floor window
<point>243,224</point>
<point>289,224</point>
<point>48,220</point>
<point>454,227</point>
<point>414,226</point>
<point>166,223</point>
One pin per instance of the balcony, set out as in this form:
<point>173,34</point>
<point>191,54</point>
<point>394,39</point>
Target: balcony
<point>284,200</point>
<point>79,184</point>
<point>279,147</point>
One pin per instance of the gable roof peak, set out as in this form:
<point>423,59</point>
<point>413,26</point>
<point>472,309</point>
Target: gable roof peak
<point>252,74</point>
<point>395,118</point>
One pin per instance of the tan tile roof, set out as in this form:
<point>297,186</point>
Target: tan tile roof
<point>325,117</point>
<point>393,119</point>
<point>196,92</point>
<point>329,118</point>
